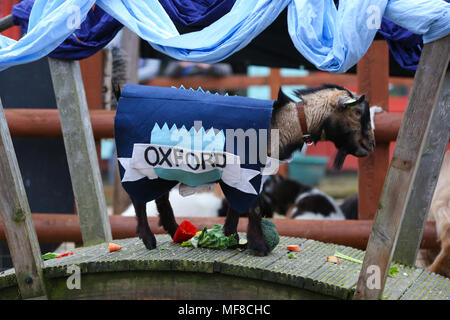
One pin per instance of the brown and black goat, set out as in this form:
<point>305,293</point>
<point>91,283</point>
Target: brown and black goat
<point>331,112</point>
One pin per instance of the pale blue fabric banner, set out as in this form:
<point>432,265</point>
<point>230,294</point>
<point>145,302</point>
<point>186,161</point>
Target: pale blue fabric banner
<point>332,39</point>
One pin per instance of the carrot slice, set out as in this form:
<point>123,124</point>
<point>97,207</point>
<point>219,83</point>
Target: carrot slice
<point>333,259</point>
<point>114,247</point>
<point>293,247</point>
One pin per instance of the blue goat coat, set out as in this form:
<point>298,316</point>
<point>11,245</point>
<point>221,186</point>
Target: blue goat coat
<point>149,116</point>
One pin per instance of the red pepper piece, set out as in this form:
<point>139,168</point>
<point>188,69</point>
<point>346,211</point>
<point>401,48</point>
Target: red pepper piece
<point>65,254</point>
<point>185,231</point>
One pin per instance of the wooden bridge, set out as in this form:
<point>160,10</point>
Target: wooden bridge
<point>174,272</point>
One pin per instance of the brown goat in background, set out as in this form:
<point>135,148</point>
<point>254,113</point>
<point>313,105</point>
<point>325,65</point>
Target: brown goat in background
<point>439,261</point>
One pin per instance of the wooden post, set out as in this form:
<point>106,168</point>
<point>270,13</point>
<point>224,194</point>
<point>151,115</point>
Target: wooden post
<point>92,75</point>
<point>80,150</point>
<point>107,78</point>
<point>418,148</point>
<point>275,82</point>
<point>419,201</point>
<point>130,45</point>
<point>15,212</point>
<point>373,81</point>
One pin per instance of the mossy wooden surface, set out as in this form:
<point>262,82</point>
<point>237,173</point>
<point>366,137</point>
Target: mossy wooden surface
<point>172,271</point>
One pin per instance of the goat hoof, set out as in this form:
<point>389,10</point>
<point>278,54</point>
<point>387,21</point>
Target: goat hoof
<point>149,241</point>
<point>260,248</point>
<point>172,230</point>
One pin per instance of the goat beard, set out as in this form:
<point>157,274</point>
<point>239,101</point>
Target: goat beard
<point>339,159</point>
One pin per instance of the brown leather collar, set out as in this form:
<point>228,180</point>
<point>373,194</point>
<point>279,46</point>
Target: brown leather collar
<point>303,124</point>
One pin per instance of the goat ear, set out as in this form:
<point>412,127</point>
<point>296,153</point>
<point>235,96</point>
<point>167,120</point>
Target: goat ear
<point>346,102</point>
<point>282,100</point>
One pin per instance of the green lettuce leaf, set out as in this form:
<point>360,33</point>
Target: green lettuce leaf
<point>213,238</point>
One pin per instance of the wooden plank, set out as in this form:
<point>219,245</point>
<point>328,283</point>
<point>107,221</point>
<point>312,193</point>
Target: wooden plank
<point>333,279</point>
<point>428,286</point>
<point>430,161</point>
<point>373,81</point>
<point>295,271</point>
<point>397,285</point>
<point>16,216</point>
<point>80,150</point>
<point>403,170</point>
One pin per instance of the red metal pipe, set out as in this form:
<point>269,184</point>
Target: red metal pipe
<point>45,123</point>
<point>353,233</point>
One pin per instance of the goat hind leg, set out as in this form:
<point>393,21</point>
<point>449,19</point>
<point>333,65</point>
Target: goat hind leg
<point>143,229</point>
<point>166,217</point>
<point>255,234</point>
<point>441,264</point>
<point>231,223</point>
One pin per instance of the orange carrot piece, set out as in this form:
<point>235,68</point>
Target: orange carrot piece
<point>114,247</point>
<point>293,247</point>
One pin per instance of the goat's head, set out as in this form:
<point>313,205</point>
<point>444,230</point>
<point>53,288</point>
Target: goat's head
<point>336,114</point>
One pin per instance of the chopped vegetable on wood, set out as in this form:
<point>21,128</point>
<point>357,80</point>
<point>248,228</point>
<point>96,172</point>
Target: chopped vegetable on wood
<point>52,255</point>
<point>49,255</point>
<point>242,243</point>
<point>213,238</point>
<point>392,270</point>
<point>270,233</point>
<point>333,259</point>
<point>65,254</point>
<point>185,231</point>
<point>114,247</point>
<point>293,247</point>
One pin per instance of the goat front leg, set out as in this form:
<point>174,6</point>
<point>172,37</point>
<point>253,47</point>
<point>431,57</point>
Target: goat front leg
<point>143,229</point>
<point>231,223</point>
<point>255,234</point>
<point>166,217</point>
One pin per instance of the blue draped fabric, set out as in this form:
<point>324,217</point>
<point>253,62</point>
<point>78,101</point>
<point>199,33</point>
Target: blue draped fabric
<point>404,45</point>
<point>196,13</point>
<point>95,32</point>
<point>332,39</point>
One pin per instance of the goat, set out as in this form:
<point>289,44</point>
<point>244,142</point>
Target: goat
<point>440,213</point>
<point>331,113</point>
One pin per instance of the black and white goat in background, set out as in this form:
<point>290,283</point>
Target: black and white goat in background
<point>332,113</point>
<point>290,198</point>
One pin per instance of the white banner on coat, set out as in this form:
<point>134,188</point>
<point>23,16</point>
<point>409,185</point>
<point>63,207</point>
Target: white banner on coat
<point>146,157</point>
